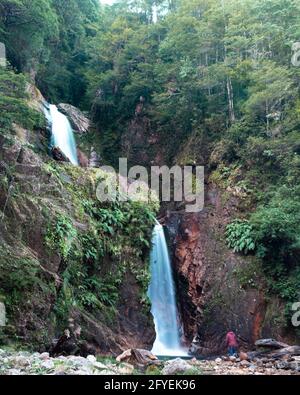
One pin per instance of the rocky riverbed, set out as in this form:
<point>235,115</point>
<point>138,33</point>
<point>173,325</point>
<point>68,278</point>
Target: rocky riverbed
<point>25,363</point>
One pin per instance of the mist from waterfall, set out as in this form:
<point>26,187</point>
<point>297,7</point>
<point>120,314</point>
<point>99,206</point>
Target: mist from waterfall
<point>163,298</point>
<point>62,133</point>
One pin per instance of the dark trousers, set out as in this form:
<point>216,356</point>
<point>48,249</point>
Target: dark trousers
<point>232,351</point>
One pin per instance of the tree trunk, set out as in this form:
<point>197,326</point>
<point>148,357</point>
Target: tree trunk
<point>230,100</point>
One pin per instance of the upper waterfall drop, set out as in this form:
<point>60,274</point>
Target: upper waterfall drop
<point>163,298</point>
<point>62,133</point>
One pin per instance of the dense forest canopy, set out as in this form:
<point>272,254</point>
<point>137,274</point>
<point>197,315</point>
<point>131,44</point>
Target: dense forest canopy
<point>215,75</point>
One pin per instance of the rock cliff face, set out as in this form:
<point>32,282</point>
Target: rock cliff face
<point>140,143</point>
<point>33,194</point>
<point>217,289</point>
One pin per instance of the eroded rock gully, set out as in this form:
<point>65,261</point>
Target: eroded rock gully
<point>217,289</point>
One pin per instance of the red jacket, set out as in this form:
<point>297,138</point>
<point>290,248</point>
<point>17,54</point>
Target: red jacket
<point>231,340</point>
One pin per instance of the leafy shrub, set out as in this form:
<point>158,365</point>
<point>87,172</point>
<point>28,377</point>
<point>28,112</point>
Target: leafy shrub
<point>277,224</point>
<point>239,235</point>
<point>61,235</point>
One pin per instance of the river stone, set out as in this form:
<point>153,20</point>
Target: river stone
<point>176,366</point>
<point>44,356</point>
<point>282,365</point>
<point>245,364</point>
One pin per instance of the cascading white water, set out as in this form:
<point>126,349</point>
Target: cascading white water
<point>62,133</point>
<point>163,298</point>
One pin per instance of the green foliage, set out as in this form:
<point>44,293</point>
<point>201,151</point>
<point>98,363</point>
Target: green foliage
<point>276,224</point>
<point>13,105</point>
<point>17,274</point>
<point>46,38</point>
<point>95,260</point>
<point>276,231</point>
<point>61,236</point>
<point>26,27</point>
<point>239,235</point>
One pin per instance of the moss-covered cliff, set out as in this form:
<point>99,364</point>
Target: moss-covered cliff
<point>71,267</point>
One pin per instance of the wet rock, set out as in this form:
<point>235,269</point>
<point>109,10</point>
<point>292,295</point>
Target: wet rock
<point>58,155</point>
<point>79,121</point>
<point>176,366</point>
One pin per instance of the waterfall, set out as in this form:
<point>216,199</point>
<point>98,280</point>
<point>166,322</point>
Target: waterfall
<point>163,298</point>
<point>62,133</point>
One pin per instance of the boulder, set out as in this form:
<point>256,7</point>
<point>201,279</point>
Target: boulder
<point>176,366</point>
<point>45,356</point>
<point>270,343</point>
<point>287,351</point>
<point>79,122</point>
<point>243,356</point>
<point>59,156</point>
<point>138,357</point>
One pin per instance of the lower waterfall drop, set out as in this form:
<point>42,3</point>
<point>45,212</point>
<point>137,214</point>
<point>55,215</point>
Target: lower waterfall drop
<point>163,298</point>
